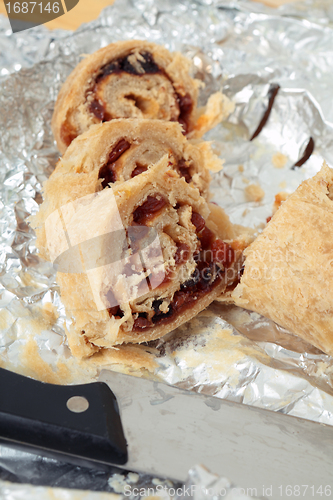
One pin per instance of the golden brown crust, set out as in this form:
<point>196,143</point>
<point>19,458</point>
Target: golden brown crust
<point>168,94</point>
<point>288,271</point>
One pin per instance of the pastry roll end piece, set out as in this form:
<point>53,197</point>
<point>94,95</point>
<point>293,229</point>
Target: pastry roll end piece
<point>139,261</point>
<point>288,273</point>
<point>133,79</point>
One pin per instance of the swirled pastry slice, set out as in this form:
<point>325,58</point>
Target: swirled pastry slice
<point>138,259</point>
<point>133,79</point>
<point>122,149</point>
<point>288,274</point>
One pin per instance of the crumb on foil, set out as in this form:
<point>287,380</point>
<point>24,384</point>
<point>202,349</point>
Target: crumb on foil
<point>279,160</point>
<point>279,199</point>
<point>254,192</point>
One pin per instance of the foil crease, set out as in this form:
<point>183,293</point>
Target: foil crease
<point>242,48</point>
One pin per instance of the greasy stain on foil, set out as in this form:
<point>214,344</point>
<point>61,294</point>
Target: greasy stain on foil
<point>207,355</point>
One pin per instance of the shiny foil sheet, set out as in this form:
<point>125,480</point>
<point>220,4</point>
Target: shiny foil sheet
<point>247,50</point>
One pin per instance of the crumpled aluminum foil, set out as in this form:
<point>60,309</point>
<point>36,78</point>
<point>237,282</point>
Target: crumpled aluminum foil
<point>242,47</point>
<point>200,485</point>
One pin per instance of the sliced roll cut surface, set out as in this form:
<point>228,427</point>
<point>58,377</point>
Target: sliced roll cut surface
<point>150,263</point>
<point>132,79</point>
<point>122,149</point>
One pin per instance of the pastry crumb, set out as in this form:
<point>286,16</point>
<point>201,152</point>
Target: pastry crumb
<point>133,477</point>
<point>279,160</point>
<point>283,185</point>
<point>245,180</point>
<point>241,168</point>
<point>279,199</point>
<point>253,192</point>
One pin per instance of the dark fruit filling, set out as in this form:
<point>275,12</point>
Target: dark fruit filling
<point>185,106</point>
<point>146,66</point>
<point>107,172</point>
<point>115,311</point>
<point>98,110</point>
<point>159,315</point>
<point>182,253</point>
<point>184,170</point>
<point>141,322</point>
<point>222,252</point>
<point>138,170</point>
<point>214,256</point>
<point>205,278</point>
<point>198,221</point>
<point>67,133</point>
<point>218,255</point>
<point>148,210</point>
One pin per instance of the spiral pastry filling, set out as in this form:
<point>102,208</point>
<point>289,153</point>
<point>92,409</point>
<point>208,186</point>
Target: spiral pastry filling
<point>136,161</point>
<point>211,257</point>
<point>142,90</point>
<point>145,251</point>
<point>134,79</point>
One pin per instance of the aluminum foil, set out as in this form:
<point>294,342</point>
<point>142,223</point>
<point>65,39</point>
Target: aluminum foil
<point>200,485</point>
<point>243,48</point>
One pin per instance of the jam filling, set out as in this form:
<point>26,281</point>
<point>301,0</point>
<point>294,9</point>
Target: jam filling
<point>107,172</point>
<point>214,257</point>
<point>138,170</point>
<point>98,110</point>
<point>216,250</point>
<point>198,221</point>
<point>145,67</point>
<point>116,312</point>
<point>184,170</point>
<point>205,235</point>
<point>182,253</point>
<point>123,65</point>
<point>141,322</point>
<point>207,275</point>
<point>185,104</point>
<point>67,133</point>
<point>159,315</point>
<point>222,252</point>
<point>148,210</point>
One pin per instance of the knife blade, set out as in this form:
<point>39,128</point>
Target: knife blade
<point>151,427</point>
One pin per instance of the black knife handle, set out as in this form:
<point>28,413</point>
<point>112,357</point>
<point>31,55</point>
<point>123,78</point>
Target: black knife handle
<point>34,416</point>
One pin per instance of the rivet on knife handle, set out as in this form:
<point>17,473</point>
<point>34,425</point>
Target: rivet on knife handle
<point>79,424</point>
